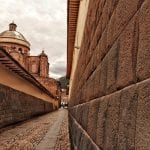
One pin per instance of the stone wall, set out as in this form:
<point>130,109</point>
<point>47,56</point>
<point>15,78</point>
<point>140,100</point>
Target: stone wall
<point>110,96</point>
<point>17,106</point>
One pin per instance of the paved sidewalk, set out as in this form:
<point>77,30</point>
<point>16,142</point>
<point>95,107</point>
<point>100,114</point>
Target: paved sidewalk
<point>39,133</point>
<point>50,140</point>
<point>63,141</point>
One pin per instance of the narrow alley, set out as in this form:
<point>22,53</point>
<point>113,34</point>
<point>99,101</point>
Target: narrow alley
<point>44,132</point>
<point>75,75</point>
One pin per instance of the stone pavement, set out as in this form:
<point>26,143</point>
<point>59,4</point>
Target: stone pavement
<point>40,133</point>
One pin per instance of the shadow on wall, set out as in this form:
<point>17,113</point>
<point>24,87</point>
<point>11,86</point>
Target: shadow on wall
<point>17,106</point>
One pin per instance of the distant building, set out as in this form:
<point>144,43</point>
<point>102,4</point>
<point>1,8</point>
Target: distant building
<point>25,87</point>
<point>19,48</point>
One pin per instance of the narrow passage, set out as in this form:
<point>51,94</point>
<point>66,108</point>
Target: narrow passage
<point>46,132</point>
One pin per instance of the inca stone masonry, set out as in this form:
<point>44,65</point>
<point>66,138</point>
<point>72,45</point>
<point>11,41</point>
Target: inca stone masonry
<point>109,70</point>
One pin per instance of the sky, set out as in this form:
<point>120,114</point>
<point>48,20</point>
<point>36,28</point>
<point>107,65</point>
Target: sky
<point>44,24</point>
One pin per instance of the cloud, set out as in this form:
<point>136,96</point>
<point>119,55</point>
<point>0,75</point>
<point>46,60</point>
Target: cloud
<point>59,65</point>
<point>43,23</point>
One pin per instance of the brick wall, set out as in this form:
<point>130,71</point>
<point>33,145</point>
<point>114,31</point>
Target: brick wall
<point>17,106</point>
<point>110,97</point>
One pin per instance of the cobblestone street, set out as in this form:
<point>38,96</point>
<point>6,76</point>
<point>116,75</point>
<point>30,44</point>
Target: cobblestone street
<point>47,132</point>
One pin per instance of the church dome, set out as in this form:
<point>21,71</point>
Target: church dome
<point>13,36</point>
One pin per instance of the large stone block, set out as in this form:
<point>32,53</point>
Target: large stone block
<point>72,129</point>
<point>85,116</point>
<point>105,16</point>
<point>112,57</point>
<point>92,85</point>
<point>111,4</point>
<point>78,115</point>
<point>96,59</point>
<point>143,59</point>
<point>142,140</point>
<point>85,142</point>
<point>102,46</point>
<point>124,11</point>
<point>92,118</point>
<point>79,138</point>
<point>97,81</point>
<point>110,135</point>
<point>87,95</point>
<point>103,77</point>
<point>77,133</point>
<point>101,118</point>
<point>127,55</point>
<point>127,119</point>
